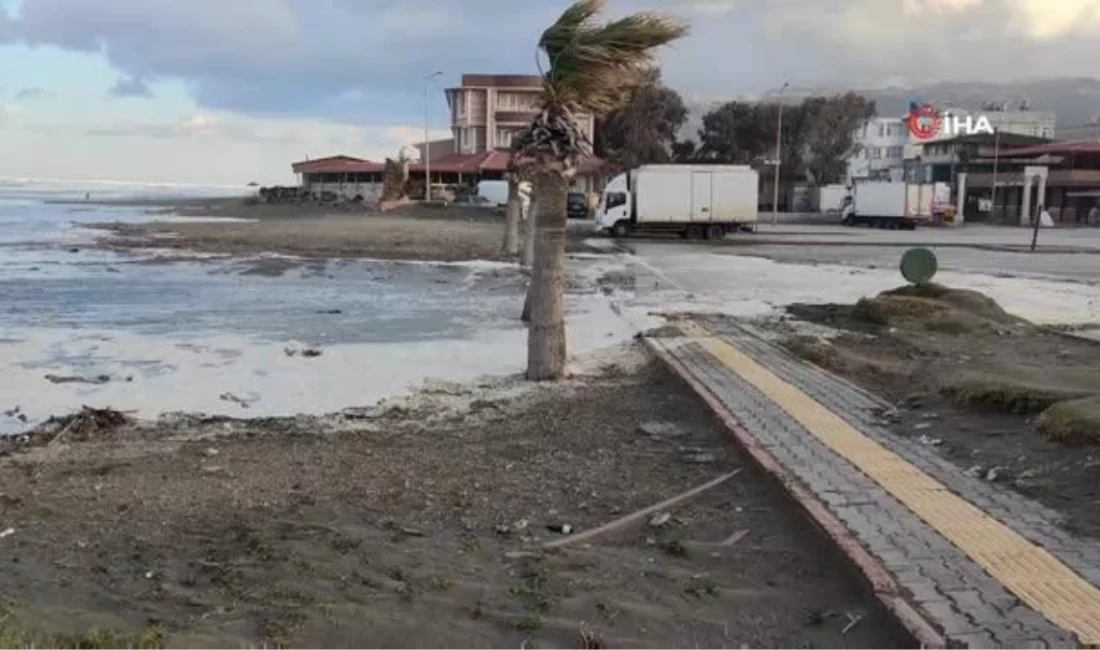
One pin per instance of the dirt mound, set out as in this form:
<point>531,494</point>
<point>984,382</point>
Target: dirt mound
<point>929,307</point>
<point>972,302</point>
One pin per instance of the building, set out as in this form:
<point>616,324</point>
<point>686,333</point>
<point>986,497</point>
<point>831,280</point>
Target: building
<point>1062,176</point>
<point>487,110</point>
<point>880,149</point>
<point>344,176</point>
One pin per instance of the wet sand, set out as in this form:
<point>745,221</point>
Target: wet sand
<point>418,524</point>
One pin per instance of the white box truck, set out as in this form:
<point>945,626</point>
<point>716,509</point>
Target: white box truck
<point>828,198</point>
<point>694,201</point>
<point>894,205</point>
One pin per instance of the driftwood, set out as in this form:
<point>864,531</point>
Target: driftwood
<point>641,514</point>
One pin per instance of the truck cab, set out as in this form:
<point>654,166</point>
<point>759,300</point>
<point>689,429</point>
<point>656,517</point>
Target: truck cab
<point>614,213</point>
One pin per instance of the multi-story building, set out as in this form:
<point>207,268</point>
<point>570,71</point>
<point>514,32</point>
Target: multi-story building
<point>880,149</point>
<point>487,110</point>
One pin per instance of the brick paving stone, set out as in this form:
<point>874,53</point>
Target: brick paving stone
<point>953,592</point>
<point>1030,519</point>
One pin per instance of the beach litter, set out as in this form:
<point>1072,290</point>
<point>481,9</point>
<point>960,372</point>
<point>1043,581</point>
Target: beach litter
<point>243,400</point>
<point>76,379</point>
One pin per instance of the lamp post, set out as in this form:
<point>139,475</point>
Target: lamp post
<point>427,142</point>
<point>778,156</point>
<point>996,160</point>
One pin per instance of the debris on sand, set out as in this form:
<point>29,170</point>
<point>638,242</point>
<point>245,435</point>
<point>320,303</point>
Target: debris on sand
<point>84,423</point>
<point>76,379</point>
<point>244,401</point>
<point>308,353</point>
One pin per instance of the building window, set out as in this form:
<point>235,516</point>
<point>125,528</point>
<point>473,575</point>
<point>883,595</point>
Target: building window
<point>460,103</point>
<point>882,130</point>
<point>895,153</point>
<point>504,138</point>
<point>876,153</point>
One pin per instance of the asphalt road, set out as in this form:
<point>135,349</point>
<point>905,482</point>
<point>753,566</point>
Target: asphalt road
<point>1064,254</point>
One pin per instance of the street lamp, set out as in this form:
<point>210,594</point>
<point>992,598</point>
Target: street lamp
<point>427,143</point>
<point>778,156</point>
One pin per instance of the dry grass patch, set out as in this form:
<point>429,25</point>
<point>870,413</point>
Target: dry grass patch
<point>1073,422</point>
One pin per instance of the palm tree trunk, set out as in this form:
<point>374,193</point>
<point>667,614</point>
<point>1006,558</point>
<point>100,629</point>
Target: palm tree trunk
<point>527,256</point>
<point>546,345</point>
<point>510,246</point>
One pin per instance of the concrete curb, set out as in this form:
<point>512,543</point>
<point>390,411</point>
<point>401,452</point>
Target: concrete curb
<point>882,583</point>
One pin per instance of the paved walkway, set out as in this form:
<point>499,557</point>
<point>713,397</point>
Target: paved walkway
<point>961,562</point>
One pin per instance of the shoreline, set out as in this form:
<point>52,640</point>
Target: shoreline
<point>419,524</point>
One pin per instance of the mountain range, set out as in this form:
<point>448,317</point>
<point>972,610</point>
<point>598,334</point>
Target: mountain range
<point>1075,102</point>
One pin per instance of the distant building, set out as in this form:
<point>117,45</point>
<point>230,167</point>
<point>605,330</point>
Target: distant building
<point>486,112</point>
<point>345,176</point>
<point>880,149</point>
<point>488,109</point>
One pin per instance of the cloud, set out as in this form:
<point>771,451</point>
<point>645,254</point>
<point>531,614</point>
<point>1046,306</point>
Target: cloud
<point>28,93</point>
<point>293,57</point>
<point>130,87</point>
<point>342,59</point>
<point>204,147</point>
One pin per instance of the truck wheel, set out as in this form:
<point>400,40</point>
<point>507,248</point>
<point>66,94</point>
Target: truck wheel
<point>693,232</point>
<point>620,230</point>
<point>715,232</point>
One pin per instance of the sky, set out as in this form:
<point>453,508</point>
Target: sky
<point>232,91</point>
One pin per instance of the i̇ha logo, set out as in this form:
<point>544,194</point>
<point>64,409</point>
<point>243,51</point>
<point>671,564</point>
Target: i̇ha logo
<point>925,123</point>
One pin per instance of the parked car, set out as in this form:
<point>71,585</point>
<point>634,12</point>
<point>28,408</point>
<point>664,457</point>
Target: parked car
<point>578,206</point>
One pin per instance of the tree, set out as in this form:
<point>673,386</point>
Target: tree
<point>517,173</point>
<point>643,131</point>
<point>829,134</point>
<point>684,151</point>
<point>593,68</point>
<point>729,134</point>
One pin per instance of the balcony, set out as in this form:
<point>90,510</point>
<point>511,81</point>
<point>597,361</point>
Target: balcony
<point>516,116</point>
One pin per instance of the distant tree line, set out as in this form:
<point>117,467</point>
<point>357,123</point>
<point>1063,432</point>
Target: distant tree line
<point>817,133</point>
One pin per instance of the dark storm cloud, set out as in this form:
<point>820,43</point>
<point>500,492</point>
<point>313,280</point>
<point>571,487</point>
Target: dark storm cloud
<point>349,59</point>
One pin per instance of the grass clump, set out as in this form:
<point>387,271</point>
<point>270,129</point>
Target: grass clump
<point>840,360</point>
<point>151,637</point>
<point>1072,422</point>
<point>1010,393</point>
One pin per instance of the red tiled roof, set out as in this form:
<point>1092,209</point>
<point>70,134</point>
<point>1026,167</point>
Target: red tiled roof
<point>336,165</point>
<point>1061,148</point>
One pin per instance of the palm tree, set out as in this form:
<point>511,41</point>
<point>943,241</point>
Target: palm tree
<point>518,169</point>
<point>593,67</point>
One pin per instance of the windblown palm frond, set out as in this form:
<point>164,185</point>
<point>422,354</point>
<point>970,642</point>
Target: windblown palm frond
<point>593,66</point>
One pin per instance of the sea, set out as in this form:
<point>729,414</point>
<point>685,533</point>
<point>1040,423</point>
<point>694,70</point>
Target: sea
<point>151,333</point>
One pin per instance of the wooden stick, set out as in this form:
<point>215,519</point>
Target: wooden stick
<point>736,537</point>
<point>622,521</point>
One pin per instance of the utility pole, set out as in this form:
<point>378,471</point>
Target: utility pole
<point>996,159</point>
<point>427,142</point>
<point>778,156</point>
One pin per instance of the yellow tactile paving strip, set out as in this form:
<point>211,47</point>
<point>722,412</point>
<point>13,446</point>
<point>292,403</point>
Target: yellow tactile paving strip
<point>1030,572</point>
